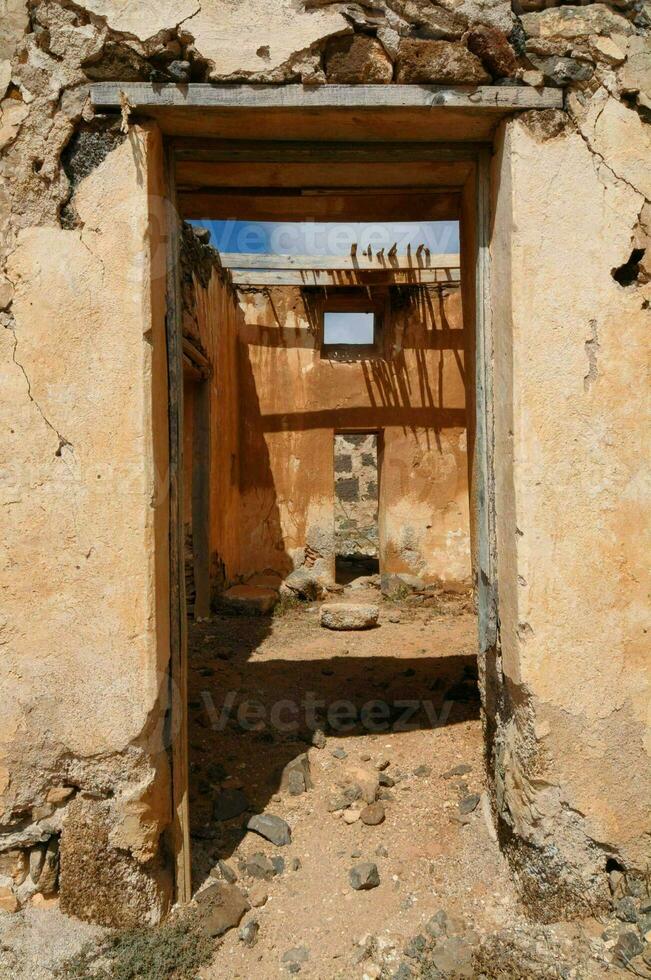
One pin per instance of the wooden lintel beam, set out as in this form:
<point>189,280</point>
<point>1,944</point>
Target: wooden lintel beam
<point>490,98</point>
<point>420,262</point>
<point>337,113</point>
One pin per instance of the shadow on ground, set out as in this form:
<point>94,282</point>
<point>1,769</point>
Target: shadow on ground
<point>249,719</point>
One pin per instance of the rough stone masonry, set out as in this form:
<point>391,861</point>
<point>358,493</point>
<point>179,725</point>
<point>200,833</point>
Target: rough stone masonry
<point>84,770</point>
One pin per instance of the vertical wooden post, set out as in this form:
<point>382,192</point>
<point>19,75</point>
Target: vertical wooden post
<point>484,440</point>
<point>201,499</point>
<point>178,618</point>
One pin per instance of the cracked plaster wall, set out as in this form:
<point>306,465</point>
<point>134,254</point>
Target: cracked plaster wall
<point>571,758</point>
<point>84,432</point>
<point>565,715</point>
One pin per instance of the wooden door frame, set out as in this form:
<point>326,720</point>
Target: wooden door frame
<point>475,255</point>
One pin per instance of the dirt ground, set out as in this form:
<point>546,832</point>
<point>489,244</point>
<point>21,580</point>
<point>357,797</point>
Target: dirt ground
<point>397,704</point>
<point>430,856</point>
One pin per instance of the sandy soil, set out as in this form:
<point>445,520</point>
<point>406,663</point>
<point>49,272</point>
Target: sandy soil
<point>428,856</point>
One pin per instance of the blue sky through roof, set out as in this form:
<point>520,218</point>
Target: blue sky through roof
<point>330,238</point>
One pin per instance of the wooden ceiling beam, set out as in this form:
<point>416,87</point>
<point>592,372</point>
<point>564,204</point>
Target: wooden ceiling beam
<point>360,262</point>
<point>379,206</point>
<point>305,277</point>
<point>315,151</point>
<point>202,174</point>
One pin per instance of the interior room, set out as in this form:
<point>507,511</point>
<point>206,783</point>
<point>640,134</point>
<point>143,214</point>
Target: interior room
<point>327,518</point>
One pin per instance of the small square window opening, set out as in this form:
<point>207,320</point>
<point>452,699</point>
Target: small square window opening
<point>348,328</point>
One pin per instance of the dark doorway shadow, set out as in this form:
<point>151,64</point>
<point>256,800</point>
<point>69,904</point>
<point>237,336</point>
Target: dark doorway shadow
<point>350,567</point>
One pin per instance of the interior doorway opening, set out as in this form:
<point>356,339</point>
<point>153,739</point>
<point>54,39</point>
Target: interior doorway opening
<point>292,386</point>
<point>357,482</point>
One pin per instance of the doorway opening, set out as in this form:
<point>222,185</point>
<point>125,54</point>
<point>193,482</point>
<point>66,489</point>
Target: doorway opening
<point>341,380</point>
<point>357,481</point>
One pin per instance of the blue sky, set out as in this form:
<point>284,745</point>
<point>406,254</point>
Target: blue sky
<point>348,328</point>
<point>324,238</point>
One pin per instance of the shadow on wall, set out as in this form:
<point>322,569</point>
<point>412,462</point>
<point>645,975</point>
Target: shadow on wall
<point>262,536</point>
<point>293,399</point>
<point>389,391</point>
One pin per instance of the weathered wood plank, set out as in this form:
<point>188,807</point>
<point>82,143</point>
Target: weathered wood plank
<point>485,442</point>
<point>315,151</point>
<point>106,95</point>
<point>201,499</point>
<point>428,173</point>
<point>297,277</point>
<point>378,206</point>
<point>428,124</point>
<point>416,262</point>
<point>178,617</point>
<point>196,357</point>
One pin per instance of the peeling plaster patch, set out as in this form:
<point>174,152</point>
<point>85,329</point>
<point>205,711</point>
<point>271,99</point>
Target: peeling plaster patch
<point>15,21</point>
<point>86,150</point>
<point>12,115</point>
<point>143,20</point>
<point>224,36</point>
<point>591,349</point>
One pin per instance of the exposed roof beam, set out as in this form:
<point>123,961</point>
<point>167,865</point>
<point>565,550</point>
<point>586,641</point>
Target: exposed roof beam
<point>427,173</point>
<point>419,262</point>
<point>378,206</point>
<point>306,277</point>
<point>315,151</point>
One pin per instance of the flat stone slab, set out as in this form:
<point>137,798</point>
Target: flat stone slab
<point>253,599</point>
<point>271,828</point>
<point>266,580</point>
<point>349,616</point>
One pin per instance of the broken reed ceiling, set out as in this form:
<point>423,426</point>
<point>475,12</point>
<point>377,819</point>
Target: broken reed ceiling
<point>417,268</point>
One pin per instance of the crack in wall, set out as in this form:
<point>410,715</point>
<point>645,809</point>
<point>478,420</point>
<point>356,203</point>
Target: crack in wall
<point>63,442</point>
<point>592,347</point>
<point>599,156</point>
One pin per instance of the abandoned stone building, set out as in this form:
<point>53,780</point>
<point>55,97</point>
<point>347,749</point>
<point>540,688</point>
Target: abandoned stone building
<point>209,490</point>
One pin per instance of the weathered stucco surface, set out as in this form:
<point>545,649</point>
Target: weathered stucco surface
<point>277,401</point>
<point>83,490</point>
<point>83,571</point>
<point>294,397</point>
<point>214,320</point>
<point>571,758</point>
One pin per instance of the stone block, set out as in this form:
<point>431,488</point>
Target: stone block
<point>221,907</point>
<point>494,50</point>
<point>251,599</point>
<point>349,616</point>
<point>357,59</point>
<point>347,489</point>
<point>438,63</point>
